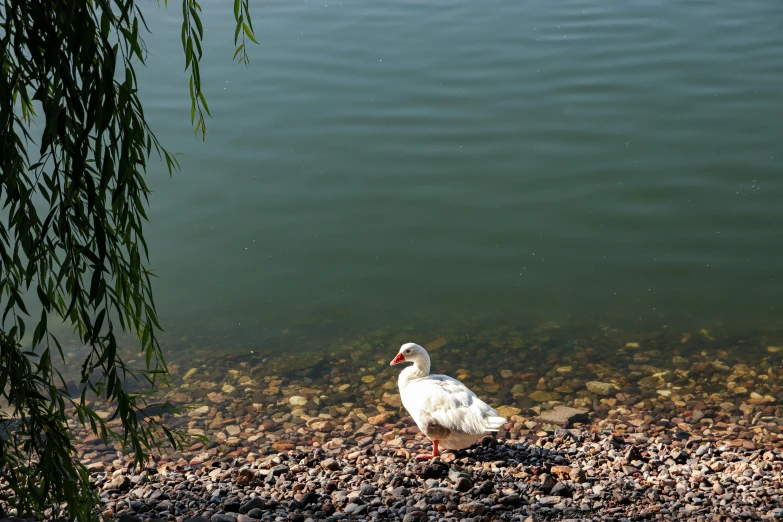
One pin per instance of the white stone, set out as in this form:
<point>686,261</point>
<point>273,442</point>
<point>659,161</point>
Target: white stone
<point>297,400</point>
<point>199,412</point>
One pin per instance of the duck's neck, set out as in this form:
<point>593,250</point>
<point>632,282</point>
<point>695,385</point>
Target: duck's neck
<point>418,370</point>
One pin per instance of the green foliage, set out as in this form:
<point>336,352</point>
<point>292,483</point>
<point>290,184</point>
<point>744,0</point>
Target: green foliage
<point>74,145</point>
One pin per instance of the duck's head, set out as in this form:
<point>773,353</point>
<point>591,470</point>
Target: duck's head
<point>411,352</point>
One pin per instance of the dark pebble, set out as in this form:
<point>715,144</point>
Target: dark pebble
<point>308,498</point>
<point>232,507</point>
<point>632,454</point>
<point>463,484</point>
<point>511,500</point>
<point>279,470</point>
<point>401,491</point>
<point>253,503</point>
<point>486,488</point>
<point>330,464</point>
<point>560,490</point>
<point>223,517</point>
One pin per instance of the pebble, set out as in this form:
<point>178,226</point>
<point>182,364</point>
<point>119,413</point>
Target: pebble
<point>296,400</point>
<point>601,388</point>
<point>563,416</point>
<point>330,464</point>
<point>474,508</point>
<point>253,503</point>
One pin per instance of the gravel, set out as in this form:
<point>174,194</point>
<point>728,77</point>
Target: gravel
<point>654,428</point>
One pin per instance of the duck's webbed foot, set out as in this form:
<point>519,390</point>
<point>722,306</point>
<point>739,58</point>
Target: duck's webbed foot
<point>435,452</point>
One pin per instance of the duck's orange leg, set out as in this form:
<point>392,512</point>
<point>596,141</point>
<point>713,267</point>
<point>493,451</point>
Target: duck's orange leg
<point>435,452</point>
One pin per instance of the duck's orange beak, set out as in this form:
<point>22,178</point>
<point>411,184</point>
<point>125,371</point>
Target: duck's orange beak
<point>397,360</point>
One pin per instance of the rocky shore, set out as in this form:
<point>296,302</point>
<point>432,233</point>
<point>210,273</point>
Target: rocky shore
<point>568,475</point>
<point>611,429</point>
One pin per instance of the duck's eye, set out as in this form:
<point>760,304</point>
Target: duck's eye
<point>407,351</point>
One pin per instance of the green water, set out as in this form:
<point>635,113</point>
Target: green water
<point>431,167</point>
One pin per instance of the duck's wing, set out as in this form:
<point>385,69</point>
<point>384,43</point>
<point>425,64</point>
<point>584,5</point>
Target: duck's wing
<point>448,404</point>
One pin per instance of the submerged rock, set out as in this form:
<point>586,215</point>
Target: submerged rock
<point>601,388</point>
<point>543,396</point>
<point>563,416</point>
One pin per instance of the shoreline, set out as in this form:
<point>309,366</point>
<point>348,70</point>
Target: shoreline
<point>670,432</point>
<point>576,474</point>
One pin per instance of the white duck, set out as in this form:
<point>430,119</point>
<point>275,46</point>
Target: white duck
<point>444,409</point>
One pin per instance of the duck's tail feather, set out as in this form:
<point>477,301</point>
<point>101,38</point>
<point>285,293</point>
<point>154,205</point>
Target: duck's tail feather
<point>494,423</point>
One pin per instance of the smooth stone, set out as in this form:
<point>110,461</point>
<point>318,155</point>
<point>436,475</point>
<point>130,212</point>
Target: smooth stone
<point>381,418</point>
<point>474,508</point>
<point>297,400</point>
<point>437,343</point>
<point>511,500</point>
<point>400,491</point>
<point>442,491</point>
<point>549,500</point>
<point>463,484</point>
<point>253,503</point>
<point>563,416</point>
<point>560,490</point>
<point>508,411</point>
<point>232,507</point>
<point>578,475</point>
<point>601,388</point>
<point>199,412</point>
<point>392,399</point>
<point>543,396</point>
<point>330,464</point>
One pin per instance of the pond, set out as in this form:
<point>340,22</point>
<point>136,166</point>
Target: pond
<point>412,170</point>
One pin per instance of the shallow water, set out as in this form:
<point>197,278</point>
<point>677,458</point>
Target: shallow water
<point>413,170</point>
